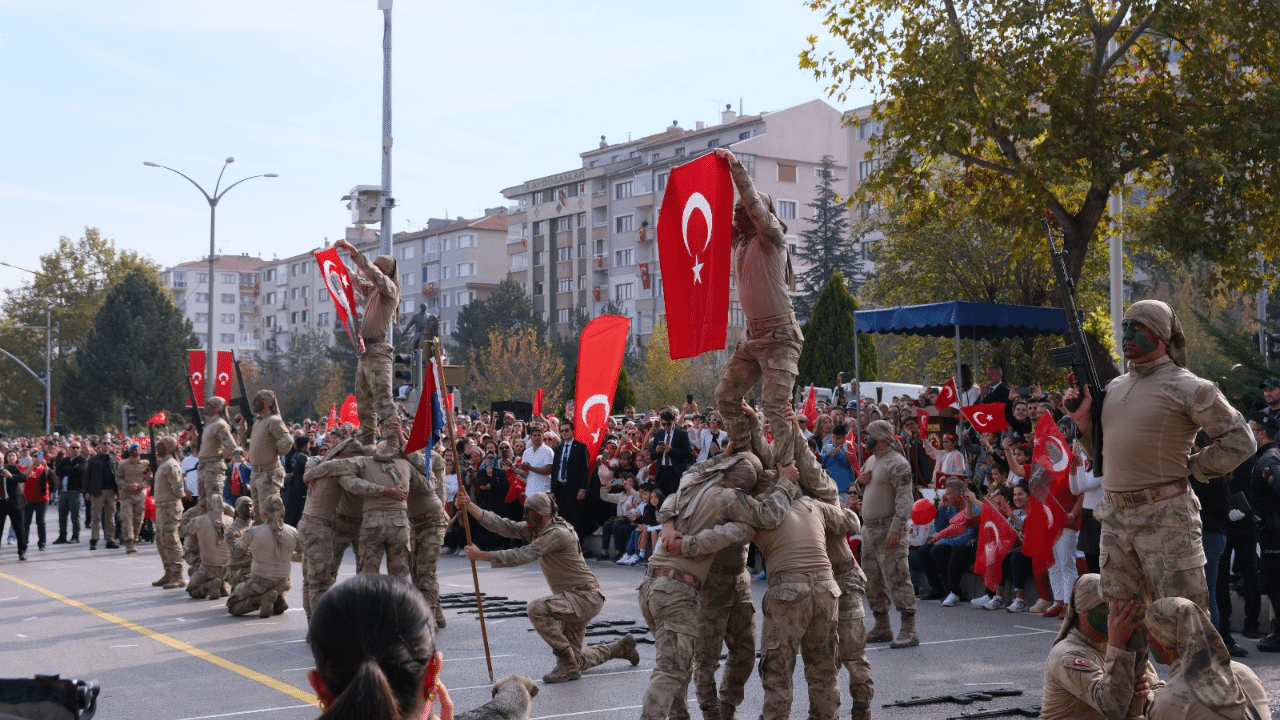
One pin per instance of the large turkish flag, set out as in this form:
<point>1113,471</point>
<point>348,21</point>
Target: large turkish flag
<point>600,350</point>
<point>1053,453</point>
<point>695,235</point>
<point>225,369</point>
<point>988,418</point>
<point>195,370</point>
<point>334,274</point>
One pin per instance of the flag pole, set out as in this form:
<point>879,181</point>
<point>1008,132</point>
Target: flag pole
<point>466,525</point>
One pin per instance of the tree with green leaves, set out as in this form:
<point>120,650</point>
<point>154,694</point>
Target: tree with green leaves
<point>829,339</point>
<point>506,308</point>
<point>301,373</point>
<point>136,353</point>
<point>827,246</point>
<point>512,366</point>
<point>1052,107</point>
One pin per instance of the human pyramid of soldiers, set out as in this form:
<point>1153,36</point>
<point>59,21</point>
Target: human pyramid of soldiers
<point>370,494</point>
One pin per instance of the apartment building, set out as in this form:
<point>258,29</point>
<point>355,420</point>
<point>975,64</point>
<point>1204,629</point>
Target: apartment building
<point>236,290</point>
<point>585,237</point>
<point>861,130</point>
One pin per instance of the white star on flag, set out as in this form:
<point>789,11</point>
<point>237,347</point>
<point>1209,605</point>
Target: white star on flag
<point>697,270</point>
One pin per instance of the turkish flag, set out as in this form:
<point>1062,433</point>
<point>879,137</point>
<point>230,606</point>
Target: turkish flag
<point>334,274</point>
<point>1045,522</point>
<point>810,409</point>
<point>235,480</point>
<point>922,419</point>
<point>600,350</point>
<point>157,419</point>
<point>222,380</point>
<point>987,418</point>
<point>995,540</point>
<point>537,401</point>
<point>1053,453</point>
<point>947,396</point>
<point>333,417</point>
<point>428,421</point>
<point>195,370</point>
<point>695,237</point>
<point>348,412</point>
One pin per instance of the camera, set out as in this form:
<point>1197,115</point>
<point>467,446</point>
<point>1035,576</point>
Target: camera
<point>1024,390</point>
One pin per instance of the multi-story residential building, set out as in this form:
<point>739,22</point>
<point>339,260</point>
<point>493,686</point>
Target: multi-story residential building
<point>462,262</point>
<point>236,291</point>
<point>861,130</point>
<point>583,238</point>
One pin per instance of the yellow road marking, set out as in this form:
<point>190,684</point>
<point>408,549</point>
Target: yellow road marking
<point>176,644</point>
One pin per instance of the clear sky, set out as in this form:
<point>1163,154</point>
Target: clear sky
<point>485,95</point>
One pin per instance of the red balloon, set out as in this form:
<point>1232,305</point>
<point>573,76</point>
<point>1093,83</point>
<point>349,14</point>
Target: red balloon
<point>923,512</point>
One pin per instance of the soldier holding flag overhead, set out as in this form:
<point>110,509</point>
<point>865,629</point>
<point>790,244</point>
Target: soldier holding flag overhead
<point>381,289</point>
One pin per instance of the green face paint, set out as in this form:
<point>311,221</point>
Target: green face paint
<point>1097,618</point>
<point>1135,332</point>
<point>1158,651</point>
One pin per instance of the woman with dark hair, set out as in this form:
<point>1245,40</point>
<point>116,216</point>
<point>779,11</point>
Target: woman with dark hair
<point>491,494</point>
<point>374,647</point>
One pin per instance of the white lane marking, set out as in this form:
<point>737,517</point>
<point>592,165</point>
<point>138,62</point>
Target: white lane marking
<point>122,646</point>
<point>249,712</point>
<point>986,637</point>
<point>589,712</point>
<point>479,657</point>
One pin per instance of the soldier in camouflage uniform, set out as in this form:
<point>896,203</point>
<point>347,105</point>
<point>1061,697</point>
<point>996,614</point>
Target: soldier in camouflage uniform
<point>561,618</point>
<point>169,490</point>
<point>770,346</point>
<point>214,447</point>
<point>1151,530</point>
<point>206,538</point>
<point>726,617</point>
<point>133,477</point>
<point>427,524</point>
<point>269,441</point>
<point>273,546</point>
<point>886,509</point>
<point>238,558</point>
<point>316,529</point>
<point>380,286</point>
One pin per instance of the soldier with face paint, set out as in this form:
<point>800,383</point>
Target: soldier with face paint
<point>380,286</point>
<point>214,447</point>
<point>1151,543</point>
<point>269,442</point>
<point>886,510</point>
<point>238,558</point>
<point>169,489</point>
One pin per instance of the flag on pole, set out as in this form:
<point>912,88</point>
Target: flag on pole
<point>600,350</point>
<point>1045,522</point>
<point>988,418</point>
<point>695,234</point>
<point>222,381</point>
<point>429,419</point>
<point>157,419</point>
<point>334,274</point>
<point>1053,453</point>
<point>537,401</point>
<point>922,419</point>
<point>348,413</point>
<point>235,480</point>
<point>195,370</point>
<point>333,418</point>
<point>995,540</point>
<point>810,408</point>
<point>947,396</point>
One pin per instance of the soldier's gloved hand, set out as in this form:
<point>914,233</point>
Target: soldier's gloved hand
<point>1235,515</point>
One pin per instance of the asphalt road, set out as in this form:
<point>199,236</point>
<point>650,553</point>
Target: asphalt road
<point>163,656</point>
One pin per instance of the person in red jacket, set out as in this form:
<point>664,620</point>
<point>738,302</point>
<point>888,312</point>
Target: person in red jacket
<point>35,490</point>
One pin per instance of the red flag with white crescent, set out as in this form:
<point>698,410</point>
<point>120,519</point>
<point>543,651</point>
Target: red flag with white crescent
<point>537,401</point>
<point>236,480</point>
<point>225,371</point>
<point>695,234</point>
<point>810,409</point>
<point>1053,453</point>
<point>947,396</point>
<point>995,540</point>
<point>428,421</point>
<point>986,418</point>
<point>348,413</point>
<point>333,418</point>
<point>195,370</point>
<point>600,350</point>
<point>333,272</point>
<point>1044,523</point>
<point>157,419</point>
<point>922,419</point>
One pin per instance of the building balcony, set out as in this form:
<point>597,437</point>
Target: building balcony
<point>600,262</point>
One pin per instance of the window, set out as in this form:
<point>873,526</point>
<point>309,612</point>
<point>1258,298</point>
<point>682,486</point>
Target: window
<point>304,316</point>
<point>406,307</point>
<point>293,318</point>
<point>433,247</point>
<point>748,162</point>
<point>622,291</point>
<point>227,338</point>
<point>444,328</point>
<point>582,188</point>
<point>539,197</point>
<point>622,258</point>
<point>406,279</point>
<point>270,321</point>
<point>562,315</point>
<point>202,317</point>
<point>444,272</point>
<point>293,294</point>
<point>622,190</point>
<point>786,173</point>
<point>582,282</point>
<point>322,319</point>
<point>519,261</point>
<point>270,299</point>
<point>537,227</point>
<point>466,269</point>
<point>322,295</point>
<point>868,129</point>
<point>466,296</point>
<point>736,317</point>
<point>444,300</point>
<point>537,288</point>
<point>406,252</point>
<point>539,257</point>
<point>564,254</point>
<point>791,248</point>
<point>745,135</point>
<point>662,181</point>
<point>582,219</point>
<point>679,152</point>
<point>713,143</point>
<point>582,250</point>
<point>467,240</point>
<point>445,244</point>
<point>202,297</point>
<point>246,340</point>
<point>270,275</point>
<point>623,224</point>
<point>787,209</point>
<point>564,285</point>
<point>866,167</point>
<point>563,224</point>
<point>228,318</point>
<point>202,277</point>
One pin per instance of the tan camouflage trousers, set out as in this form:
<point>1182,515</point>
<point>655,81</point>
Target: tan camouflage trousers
<point>210,477</point>
<point>1152,551</point>
<point>133,508</point>
<point>167,543</point>
<point>247,597</point>
<point>428,538</point>
<point>888,575</point>
<point>726,616</point>
<point>561,620</point>
<point>671,610</point>
<point>799,616</point>
<point>770,356</point>
<point>319,570</point>
<point>384,532</point>
<point>346,534</point>
<point>238,569</point>
<point>102,511</point>
<point>206,581</point>
<point>851,635</point>
<point>373,391</point>
<point>265,482</point>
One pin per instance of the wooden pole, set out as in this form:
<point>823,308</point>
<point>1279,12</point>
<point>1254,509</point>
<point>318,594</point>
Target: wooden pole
<point>466,525</point>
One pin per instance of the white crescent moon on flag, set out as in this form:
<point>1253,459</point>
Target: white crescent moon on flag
<point>1057,451</point>
<point>981,418</point>
<point>696,202</point>
<point>339,295</point>
<point>597,399</point>
<point>1049,521</point>
<point>197,376</point>
<point>991,546</point>
<point>224,379</point>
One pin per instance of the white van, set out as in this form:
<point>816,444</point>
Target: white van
<point>875,390</point>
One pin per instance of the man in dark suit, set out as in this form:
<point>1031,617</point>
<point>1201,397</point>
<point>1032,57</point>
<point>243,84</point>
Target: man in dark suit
<point>672,451</point>
<point>570,475</point>
<point>997,391</point>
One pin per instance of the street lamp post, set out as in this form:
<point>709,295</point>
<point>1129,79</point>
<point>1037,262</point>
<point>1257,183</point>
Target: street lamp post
<point>211,357</point>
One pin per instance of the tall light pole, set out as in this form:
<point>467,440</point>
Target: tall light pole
<point>384,242</point>
<point>210,356</point>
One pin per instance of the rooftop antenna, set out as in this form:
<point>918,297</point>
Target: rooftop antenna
<point>739,106</point>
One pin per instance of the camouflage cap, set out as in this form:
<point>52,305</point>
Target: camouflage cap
<point>543,504</point>
<point>1163,322</point>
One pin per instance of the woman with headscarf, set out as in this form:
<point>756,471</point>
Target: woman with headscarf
<point>1204,682</point>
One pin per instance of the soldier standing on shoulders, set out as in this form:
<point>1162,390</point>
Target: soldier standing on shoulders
<point>269,441</point>
<point>169,490</point>
<point>381,289</point>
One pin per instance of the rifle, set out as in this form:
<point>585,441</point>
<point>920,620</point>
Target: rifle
<point>243,401</point>
<point>196,409</point>
<point>964,698</point>
<point>1027,711</point>
<point>1076,355</point>
<point>150,457</point>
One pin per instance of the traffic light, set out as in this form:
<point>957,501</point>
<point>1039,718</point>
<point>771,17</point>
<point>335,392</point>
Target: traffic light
<point>1272,345</point>
<point>41,411</point>
<point>406,373</point>
<point>128,417</point>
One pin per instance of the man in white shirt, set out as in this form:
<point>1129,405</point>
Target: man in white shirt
<point>191,478</point>
<point>713,431</point>
<point>535,464</point>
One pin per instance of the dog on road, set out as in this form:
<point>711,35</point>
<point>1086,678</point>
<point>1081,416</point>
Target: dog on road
<point>512,696</point>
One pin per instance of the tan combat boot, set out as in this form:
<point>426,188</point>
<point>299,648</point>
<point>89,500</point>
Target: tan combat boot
<point>860,710</point>
<point>268,604</point>
<point>168,577</point>
<point>175,578</point>
<point>625,649</point>
<point>883,631</point>
<point>907,633</point>
<point>566,669</point>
